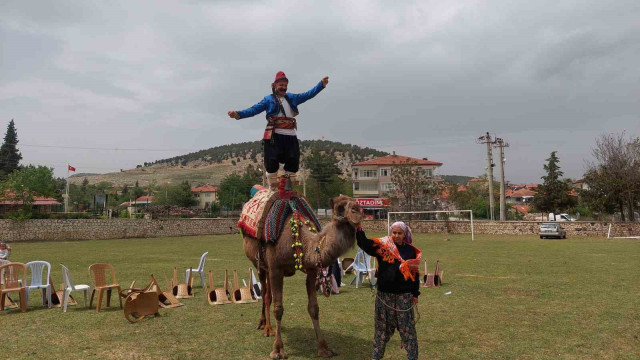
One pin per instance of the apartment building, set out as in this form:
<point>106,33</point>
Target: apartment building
<point>372,179</point>
<point>206,195</point>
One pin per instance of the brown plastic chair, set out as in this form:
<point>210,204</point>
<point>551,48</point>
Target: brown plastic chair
<point>10,304</point>
<point>56,295</point>
<point>14,282</point>
<point>432,279</point>
<point>98,273</point>
<point>165,298</point>
<point>346,265</point>
<point>218,296</point>
<point>139,303</point>
<point>182,291</point>
<point>242,295</point>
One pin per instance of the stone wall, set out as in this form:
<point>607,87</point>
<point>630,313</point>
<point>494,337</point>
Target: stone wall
<point>574,228</point>
<point>81,229</point>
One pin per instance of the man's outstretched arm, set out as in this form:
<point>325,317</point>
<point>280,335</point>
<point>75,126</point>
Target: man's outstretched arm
<point>252,111</point>
<point>302,97</point>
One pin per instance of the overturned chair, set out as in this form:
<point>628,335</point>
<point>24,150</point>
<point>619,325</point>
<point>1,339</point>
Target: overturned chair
<point>140,303</point>
<point>182,291</point>
<point>256,288</point>
<point>165,298</point>
<point>218,296</point>
<point>432,279</point>
<point>242,295</point>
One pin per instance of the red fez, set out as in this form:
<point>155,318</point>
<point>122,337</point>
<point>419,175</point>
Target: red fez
<point>280,76</point>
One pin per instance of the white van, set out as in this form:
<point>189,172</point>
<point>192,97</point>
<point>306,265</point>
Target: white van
<point>560,217</point>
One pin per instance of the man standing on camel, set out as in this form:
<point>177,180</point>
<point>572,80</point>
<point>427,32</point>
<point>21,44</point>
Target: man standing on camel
<point>280,141</point>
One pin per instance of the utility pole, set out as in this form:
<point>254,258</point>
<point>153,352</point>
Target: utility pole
<point>501,144</point>
<point>486,139</point>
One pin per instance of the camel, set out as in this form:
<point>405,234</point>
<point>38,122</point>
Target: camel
<point>275,261</point>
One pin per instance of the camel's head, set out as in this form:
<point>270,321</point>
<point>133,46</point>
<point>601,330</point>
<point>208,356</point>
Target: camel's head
<point>346,209</point>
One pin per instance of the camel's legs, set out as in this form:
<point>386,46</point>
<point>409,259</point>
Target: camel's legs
<point>265,318</point>
<point>314,312</point>
<point>276,278</point>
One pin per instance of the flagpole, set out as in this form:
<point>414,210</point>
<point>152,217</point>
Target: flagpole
<point>66,198</point>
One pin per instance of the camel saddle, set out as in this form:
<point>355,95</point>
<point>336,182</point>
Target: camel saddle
<point>254,212</point>
<point>264,215</point>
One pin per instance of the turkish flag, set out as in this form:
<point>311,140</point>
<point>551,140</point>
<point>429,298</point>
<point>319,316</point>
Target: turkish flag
<point>71,168</point>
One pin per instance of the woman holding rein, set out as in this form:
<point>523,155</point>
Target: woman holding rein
<point>398,287</point>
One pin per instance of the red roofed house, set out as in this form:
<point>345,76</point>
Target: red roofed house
<point>372,178</point>
<point>519,197</point>
<point>445,195</point>
<point>580,184</point>
<point>42,204</point>
<point>206,195</point>
<point>522,209</point>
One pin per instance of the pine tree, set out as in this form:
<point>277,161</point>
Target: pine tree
<point>9,155</point>
<point>553,194</point>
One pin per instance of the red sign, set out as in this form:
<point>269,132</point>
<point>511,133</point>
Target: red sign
<point>373,202</point>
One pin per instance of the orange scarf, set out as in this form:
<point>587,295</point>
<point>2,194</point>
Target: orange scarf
<point>388,251</point>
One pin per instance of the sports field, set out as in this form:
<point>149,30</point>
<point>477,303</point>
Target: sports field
<point>511,298</point>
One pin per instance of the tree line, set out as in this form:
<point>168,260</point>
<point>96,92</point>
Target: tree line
<point>611,182</point>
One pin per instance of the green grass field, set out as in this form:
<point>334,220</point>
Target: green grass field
<point>511,298</point>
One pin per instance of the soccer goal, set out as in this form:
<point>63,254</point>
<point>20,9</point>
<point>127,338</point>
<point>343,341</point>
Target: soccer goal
<point>622,231</point>
<point>435,215</point>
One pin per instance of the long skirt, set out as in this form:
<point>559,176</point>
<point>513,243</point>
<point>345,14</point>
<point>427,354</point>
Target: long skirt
<point>389,317</point>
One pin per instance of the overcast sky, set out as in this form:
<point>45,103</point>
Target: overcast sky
<point>423,78</point>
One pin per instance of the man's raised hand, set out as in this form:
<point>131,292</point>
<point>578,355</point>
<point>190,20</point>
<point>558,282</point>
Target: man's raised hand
<point>325,81</point>
<point>233,114</point>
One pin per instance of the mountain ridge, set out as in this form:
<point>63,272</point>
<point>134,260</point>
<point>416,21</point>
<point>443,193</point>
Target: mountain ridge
<point>213,164</point>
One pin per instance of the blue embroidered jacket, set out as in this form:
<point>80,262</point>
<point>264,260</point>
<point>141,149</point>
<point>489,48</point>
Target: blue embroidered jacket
<point>270,105</point>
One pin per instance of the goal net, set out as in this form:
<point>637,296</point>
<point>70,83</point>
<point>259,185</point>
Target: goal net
<point>436,221</point>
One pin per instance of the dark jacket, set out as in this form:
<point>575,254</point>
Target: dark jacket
<point>390,279</point>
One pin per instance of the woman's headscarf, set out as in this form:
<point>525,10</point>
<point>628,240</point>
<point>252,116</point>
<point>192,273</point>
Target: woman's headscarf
<point>408,238</point>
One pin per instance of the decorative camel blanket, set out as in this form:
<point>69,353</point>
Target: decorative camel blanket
<point>254,211</point>
<point>280,210</point>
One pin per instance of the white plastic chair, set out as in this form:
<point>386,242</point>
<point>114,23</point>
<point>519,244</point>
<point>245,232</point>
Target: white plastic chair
<point>200,270</point>
<point>69,286</point>
<point>38,282</point>
<point>362,267</point>
<point>257,287</point>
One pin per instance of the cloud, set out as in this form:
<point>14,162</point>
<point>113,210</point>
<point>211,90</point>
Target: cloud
<point>425,78</point>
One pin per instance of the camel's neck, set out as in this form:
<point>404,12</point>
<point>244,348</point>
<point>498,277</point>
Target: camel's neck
<point>334,240</point>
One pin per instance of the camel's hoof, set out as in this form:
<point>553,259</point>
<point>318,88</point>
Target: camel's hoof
<point>268,331</point>
<point>326,353</point>
<point>261,325</point>
<point>278,355</point>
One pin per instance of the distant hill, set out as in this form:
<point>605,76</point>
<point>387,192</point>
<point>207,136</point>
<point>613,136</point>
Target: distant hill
<point>456,179</point>
<point>212,165</point>
<point>251,151</point>
<point>83,175</point>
